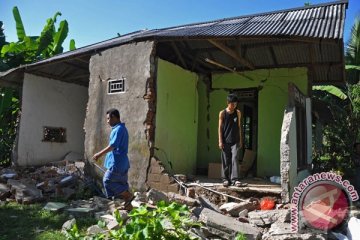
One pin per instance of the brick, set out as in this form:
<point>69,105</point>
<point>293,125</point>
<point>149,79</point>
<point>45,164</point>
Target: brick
<point>173,188</point>
<point>157,169</point>
<point>152,177</point>
<point>155,185</point>
<point>166,179</point>
<point>158,186</point>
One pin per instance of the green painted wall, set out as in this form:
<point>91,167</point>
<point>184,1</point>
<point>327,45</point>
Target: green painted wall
<point>176,117</point>
<point>272,100</point>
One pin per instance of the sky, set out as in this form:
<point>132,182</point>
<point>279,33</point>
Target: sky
<point>92,21</point>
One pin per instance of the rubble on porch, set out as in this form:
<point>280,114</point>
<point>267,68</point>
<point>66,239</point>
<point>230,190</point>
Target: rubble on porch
<point>226,211</point>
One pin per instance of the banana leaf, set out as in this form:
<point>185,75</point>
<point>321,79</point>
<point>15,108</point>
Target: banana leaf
<point>46,38</point>
<point>20,30</point>
<point>72,45</point>
<point>60,36</point>
<point>352,67</point>
<point>332,90</point>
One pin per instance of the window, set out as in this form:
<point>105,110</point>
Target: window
<point>54,134</point>
<point>116,86</point>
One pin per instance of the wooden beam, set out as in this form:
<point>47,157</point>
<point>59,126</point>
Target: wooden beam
<point>219,65</point>
<point>227,68</point>
<point>178,54</point>
<point>232,53</point>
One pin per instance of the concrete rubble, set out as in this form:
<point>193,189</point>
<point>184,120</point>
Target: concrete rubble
<point>223,213</point>
<point>61,180</point>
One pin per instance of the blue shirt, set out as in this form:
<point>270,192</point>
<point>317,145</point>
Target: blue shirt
<point>119,140</point>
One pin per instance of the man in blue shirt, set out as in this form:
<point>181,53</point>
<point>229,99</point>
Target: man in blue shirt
<point>116,162</point>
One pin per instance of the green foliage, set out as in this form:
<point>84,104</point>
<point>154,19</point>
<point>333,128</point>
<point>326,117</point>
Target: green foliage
<point>240,236</point>
<point>340,135</point>
<point>29,49</point>
<point>343,132</point>
<point>352,54</point>
<point>167,221</point>
<point>331,89</point>
<point>9,110</point>
<point>20,30</point>
<point>72,45</point>
<point>30,222</point>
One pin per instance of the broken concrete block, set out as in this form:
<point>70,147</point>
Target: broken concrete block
<point>207,204</point>
<point>155,196</point>
<point>282,231</point>
<point>115,205</point>
<point>23,189</point>
<point>68,181</point>
<point>110,221</point>
<point>228,225</point>
<point>94,229</point>
<point>235,208</point>
<point>182,199</point>
<point>243,213</point>
<point>68,225</point>
<point>227,207</point>
<point>278,228</point>
<point>4,191</point>
<point>140,197</point>
<point>267,217</point>
<point>98,215</point>
<point>81,211</point>
<point>9,175</point>
<point>54,206</point>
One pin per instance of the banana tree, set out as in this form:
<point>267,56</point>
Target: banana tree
<point>33,48</point>
<point>352,54</point>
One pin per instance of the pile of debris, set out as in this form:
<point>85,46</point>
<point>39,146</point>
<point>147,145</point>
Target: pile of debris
<point>218,222</point>
<point>60,180</point>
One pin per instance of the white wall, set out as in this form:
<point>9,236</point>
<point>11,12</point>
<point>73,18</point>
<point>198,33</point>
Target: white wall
<point>51,103</point>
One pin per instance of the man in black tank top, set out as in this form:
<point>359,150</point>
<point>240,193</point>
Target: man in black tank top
<point>230,141</point>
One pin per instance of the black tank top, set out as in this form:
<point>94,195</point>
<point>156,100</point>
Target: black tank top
<point>230,128</point>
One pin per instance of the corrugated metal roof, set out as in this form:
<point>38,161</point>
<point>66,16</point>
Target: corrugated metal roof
<point>324,21</point>
<point>267,38</point>
<point>317,21</point>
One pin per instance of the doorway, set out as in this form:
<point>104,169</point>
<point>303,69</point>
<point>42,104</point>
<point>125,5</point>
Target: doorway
<point>248,105</point>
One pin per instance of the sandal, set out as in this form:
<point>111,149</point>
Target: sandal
<point>240,184</point>
<point>226,183</point>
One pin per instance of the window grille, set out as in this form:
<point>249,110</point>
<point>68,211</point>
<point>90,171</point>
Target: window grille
<point>54,134</point>
<point>116,86</point>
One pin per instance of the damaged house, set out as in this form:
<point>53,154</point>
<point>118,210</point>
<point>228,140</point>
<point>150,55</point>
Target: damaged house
<point>170,84</point>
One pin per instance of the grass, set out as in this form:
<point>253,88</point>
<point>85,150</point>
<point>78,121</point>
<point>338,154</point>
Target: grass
<point>33,222</point>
